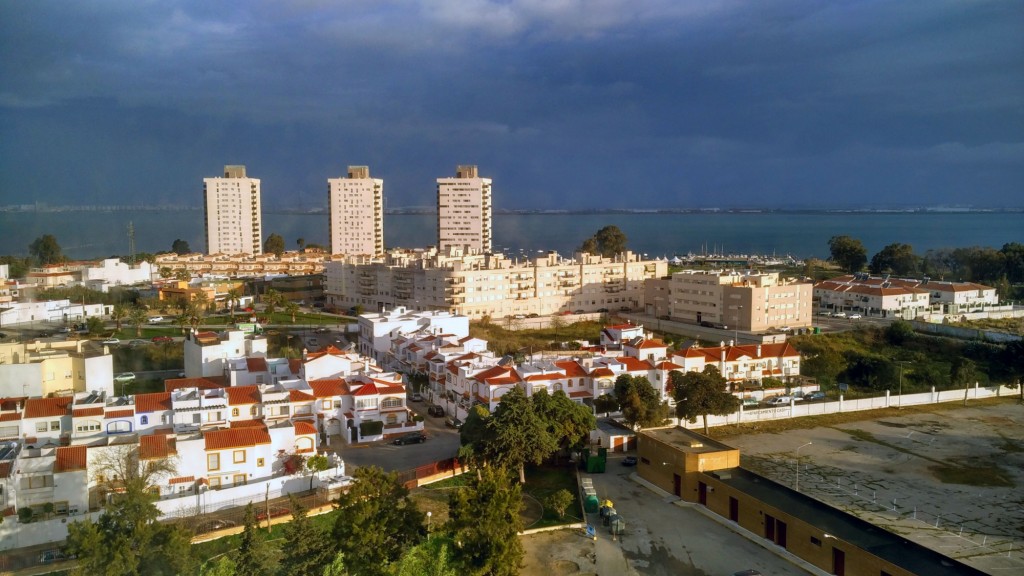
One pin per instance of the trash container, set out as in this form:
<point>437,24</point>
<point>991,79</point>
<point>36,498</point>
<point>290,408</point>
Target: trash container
<point>616,524</point>
<point>590,503</point>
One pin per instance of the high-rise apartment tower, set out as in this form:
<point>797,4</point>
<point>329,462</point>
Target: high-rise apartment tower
<point>356,206</point>
<point>233,216</point>
<point>464,211</point>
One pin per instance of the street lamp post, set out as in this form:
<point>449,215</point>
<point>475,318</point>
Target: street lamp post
<point>899,401</point>
<point>428,524</point>
<point>798,465</point>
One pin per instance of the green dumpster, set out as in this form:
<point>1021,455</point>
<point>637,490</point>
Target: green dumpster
<point>590,503</point>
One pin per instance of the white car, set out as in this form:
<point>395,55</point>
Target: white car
<point>854,316</point>
<point>156,319</point>
<point>780,401</point>
<point>124,377</point>
<point>111,342</point>
<point>839,314</point>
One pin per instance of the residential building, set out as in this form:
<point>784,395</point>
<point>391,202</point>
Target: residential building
<point>902,297</point>
<point>464,211</point>
<point>739,365</point>
<point>49,367</point>
<point>377,331</point>
<point>302,263</point>
<point>53,311</point>
<point>749,301</point>
<point>113,272</point>
<point>301,288</point>
<point>493,285</point>
<point>233,213</point>
<point>356,213</point>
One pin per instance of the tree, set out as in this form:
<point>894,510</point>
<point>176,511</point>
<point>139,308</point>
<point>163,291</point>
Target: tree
<point>166,272</point>
<point>432,557</point>
<point>95,325</point>
<point>315,464</point>
<point>195,311</point>
<point>824,365</point>
<point>607,242</point>
<point>606,403</point>
<point>640,403</point>
<point>182,275</point>
<point>484,521</point>
<point>306,548</point>
<point>46,250</point>
<point>700,394</point>
<point>271,300</point>
<point>962,373</point>
<point>118,313</point>
<point>377,522</point>
<point>180,247</point>
<point>291,308</point>
<point>137,316</point>
<point>274,244</point>
<point>233,295</point>
<point>849,253</point>
<point>255,557</point>
<point>560,501</point>
<point>223,566</point>
<point>517,434</point>
<point>474,437</point>
<point>896,259</point>
<point>568,423</point>
<point>127,539</point>
<point>899,332</point>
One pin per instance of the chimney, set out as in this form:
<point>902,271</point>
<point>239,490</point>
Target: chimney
<point>758,350</point>
<point>304,353</point>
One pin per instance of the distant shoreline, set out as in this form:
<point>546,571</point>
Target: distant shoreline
<point>420,210</point>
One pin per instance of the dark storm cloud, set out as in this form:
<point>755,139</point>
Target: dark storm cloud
<point>565,103</point>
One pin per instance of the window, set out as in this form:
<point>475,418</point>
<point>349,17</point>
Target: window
<point>260,462</point>
<point>197,418</point>
<point>215,482</point>
<point>144,420</point>
<point>40,426</point>
<point>391,403</point>
<point>817,542</point>
<point>234,412</point>
<point>327,404</point>
<point>238,457</point>
<point>252,410</point>
<point>89,426</point>
<point>213,462</point>
<point>119,427</point>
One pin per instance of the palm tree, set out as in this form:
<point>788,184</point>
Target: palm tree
<point>233,296</point>
<point>271,300</point>
<point>118,314</point>
<point>196,311</point>
<point>138,316</point>
<point>291,308</point>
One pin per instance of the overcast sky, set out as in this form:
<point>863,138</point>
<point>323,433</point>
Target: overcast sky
<point>563,103</point>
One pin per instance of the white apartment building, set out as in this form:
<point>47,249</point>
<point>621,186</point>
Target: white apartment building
<point>113,272</point>
<point>904,297</point>
<point>233,213</point>
<point>749,301</point>
<point>356,206</point>
<point>464,211</point>
<point>46,367</point>
<point>478,285</point>
<point>378,330</point>
<point>244,265</point>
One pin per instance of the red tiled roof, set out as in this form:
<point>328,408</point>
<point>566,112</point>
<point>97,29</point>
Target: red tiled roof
<point>634,364</point>
<point>205,383</point>
<point>256,364</point>
<point>602,371</point>
<point>329,350</point>
<point>668,366</point>
<point>120,413</point>
<point>391,390</point>
<point>47,407</point>
<point>10,416</point>
<point>620,327</point>
<point>182,480</point>
<point>5,469</point>
<point>542,377</point>
<point>239,395</point>
<point>257,423</point>
<point>300,396</point>
<point>329,387</point>
<point>367,389</point>
<point>70,459</point>
<point>157,446</point>
<point>156,401</point>
<point>295,365</point>
<point>581,394</point>
<point>236,438</point>
<point>304,428</point>
<point>652,343</point>
<point>571,368</point>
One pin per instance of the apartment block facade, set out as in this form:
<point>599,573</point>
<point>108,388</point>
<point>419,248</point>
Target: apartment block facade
<point>464,211</point>
<point>748,301</point>
<point>356,213</point>
<point>477,285</point>
<point>233,213</point>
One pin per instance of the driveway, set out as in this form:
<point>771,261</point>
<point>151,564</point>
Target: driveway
<point>442,443</point>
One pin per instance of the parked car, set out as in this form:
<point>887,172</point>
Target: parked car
<point>749,402</point>
<point>111,342</point>
<point>155,319</point>
<point>435,410</point>
<point>854,316</point>
<point>410,438</point>
<point>55,555</point>
<point>602,310</point>
<point>274,513</point>
<point>158,339</point>
<point>629,461</point>
<point>839,314</point>
<point>453,423</point>
<point>213,525</point>
<point>322,330</point>
<point>812,396</point>
<point>750,572</point>
<point>137,343</point>
<point>416,397</point>
<point>779,401</point>
<point>124,377</point>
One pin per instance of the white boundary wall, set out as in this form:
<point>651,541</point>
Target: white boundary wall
<point>797,409</point>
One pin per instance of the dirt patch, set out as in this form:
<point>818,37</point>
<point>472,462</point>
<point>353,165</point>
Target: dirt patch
<point>892,424</point>
<point>553,553</point>
<point>973,474</point>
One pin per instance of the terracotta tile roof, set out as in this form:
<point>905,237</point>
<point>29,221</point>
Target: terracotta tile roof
<point>602,371</point>
<point>304,428</point>
<point>668,366</point>
<point>329,387</point>
<point>543,377</point>
<point>47,407</point>
<point>120,413</point>
<point>255,423</point>
<point>498,375</point>
<point>5,469</point>
<point>300,396</point>
<point>11,403</point>
<point>581,394</point>
<point>154,402</point>
<point>240,395</point>
<point>295,365</point>
<point>10,417</point>
<point>634,364</point>
<point>236,438</point>
<point>620,326</point>
<point>387,390</point>
<point>368,389</point>
<point>329,350</point>
<point>256,364</point>
<point>571,368</point>
<point>652,343</point>
<point>70,459</point>
<point>205,383</point>
<point>157,446</point>
<point>182,480</point>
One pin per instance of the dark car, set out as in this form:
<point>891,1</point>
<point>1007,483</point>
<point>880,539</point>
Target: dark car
<point>410,438</point>
<point>55,555</point>
<point>416,397</point>
<point>453,423</point>
<point>812,396</point>
<point>274,513</point>
<point>629,461</point>
<point>436,410</point>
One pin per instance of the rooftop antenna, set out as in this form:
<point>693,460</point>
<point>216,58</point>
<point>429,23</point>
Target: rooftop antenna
<point>131,243</point>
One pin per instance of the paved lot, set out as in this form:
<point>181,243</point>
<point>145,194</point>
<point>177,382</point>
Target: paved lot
<point>661,539</point>
<point>887,471</point>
